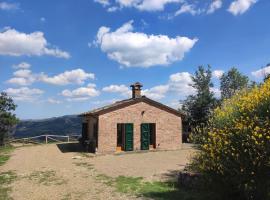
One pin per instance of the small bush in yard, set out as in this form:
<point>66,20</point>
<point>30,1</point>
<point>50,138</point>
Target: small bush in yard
<point>234,154</point>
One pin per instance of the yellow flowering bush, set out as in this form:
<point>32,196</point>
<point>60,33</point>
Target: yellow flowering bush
<point>235,147</point>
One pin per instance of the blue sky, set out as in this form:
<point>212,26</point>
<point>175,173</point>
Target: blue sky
<point>66,57</point>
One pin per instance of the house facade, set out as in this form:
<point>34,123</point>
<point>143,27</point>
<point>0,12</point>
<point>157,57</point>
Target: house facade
<point>138,123</point>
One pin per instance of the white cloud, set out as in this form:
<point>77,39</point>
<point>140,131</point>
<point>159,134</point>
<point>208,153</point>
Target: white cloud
<point>215,5</point>
<point>145,5</point>
<point>81,94</point>
<point>24,93</point>
<point>22,65</point>
<point>20,81</point>
<point>261,72</point>
<point>14,43</point>
<point>8,6</point>
<point>54,101</point>
<point>26,77</point>
<point>238,7</point>
<point>22,77</point>
<point>22,73</point>
<point>156,92</point>
<point>188,8</point>
<point>217,73</point>
<point>103,2</point>
<point>135,49</point>
<point>176,104</point>
<point>154,5</point>
<point>122,89</point>
<point>180,83</point>
<point>76,76</point>
<point>178,86</point>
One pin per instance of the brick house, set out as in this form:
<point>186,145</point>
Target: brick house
<point>138,123</point>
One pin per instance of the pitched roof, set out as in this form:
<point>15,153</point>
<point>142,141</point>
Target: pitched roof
<point>127,102</point>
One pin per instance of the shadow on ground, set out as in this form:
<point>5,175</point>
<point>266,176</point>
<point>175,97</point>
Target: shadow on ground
<point>70,147</point>
<point>171,190</point>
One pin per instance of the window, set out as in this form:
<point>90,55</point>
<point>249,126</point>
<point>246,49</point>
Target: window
<point>120,134</point>
<point>125,137</point>
<point>85,131</point>
<point>95,130</point>
<point>152,131</point>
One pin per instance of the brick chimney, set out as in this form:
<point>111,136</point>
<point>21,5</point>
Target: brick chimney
<point>136,90</point>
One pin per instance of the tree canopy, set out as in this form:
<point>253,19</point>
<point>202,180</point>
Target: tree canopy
<point>7,117</point>
<point>231,82</point>
<point>198,106</point>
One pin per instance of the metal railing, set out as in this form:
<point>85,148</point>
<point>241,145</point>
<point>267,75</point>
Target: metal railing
<point>46,139</point>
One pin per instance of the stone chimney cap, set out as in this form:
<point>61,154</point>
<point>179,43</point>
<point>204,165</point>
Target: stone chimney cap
<point>136,90</point>
<point>138,84</point>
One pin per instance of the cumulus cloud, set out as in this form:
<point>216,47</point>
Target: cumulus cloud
<point>8,6</point>
<point>180,83</point>
<point>22,77</point>
<point>22,65</point>
<point>215,5</point>
<point>81,94</point>
<point>122,89</point>
<point>76,76</point>
<point>217,73</point>
<point>154,5</point>
<point>14,43</point>
<point>142,5</point>
<point>24,93</point>
<point>239,7</point>
<point>135,49</point>
<point>25,77</point>
<point>261,72</point>
<point>156,92</point>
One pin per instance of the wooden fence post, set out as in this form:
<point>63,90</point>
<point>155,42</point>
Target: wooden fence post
<point>46,139</point>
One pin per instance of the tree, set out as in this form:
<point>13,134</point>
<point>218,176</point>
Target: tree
<point>7,119</point>
<point>231,82</point>
<point>234,154</point>
<point>199,106</point>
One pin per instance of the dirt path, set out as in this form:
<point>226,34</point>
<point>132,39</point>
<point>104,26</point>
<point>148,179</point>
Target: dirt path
<point>53,172</point>
<point>152,166</point>
<point>44,172</point>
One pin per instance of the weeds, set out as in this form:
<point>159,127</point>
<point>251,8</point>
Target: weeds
<point>47,178</point>
<point>6,178</point>
<point>5,154</point>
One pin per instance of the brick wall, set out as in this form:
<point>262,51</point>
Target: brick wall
<point>168,127</point>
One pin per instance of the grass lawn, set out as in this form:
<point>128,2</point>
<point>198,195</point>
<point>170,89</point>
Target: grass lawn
<point>156,190</point>
<point>6,178</point>
<point>5,154</point>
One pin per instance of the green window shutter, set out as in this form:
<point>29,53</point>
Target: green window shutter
<point>145,136</point>
<point>129,137</point>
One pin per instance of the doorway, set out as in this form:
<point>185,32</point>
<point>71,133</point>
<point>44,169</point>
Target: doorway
<point>124,137</point>
<point>148,136</point>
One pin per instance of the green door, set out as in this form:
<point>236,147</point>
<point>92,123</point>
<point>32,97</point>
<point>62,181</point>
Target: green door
<point>128,137</point>
<point>145,136</point>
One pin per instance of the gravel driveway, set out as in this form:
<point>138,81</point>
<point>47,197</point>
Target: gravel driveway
<point>57,172</point>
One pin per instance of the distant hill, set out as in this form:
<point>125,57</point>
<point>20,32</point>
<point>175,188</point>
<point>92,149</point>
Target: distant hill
<point>65,125</point>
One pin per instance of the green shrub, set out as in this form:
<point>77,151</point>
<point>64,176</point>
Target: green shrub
<point>234,148</point>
